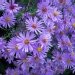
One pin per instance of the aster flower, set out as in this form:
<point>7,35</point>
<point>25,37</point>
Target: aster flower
<point>57,57</point>
<point>34,25</point>
<point>67,22</point>
<point>46,70</point>
<point>50,28</point>
<point>35,61</point>
<point>45,39</point>
<point>43,8</point>
<point>2,4</point>
<point>39,51</point>
<point>25,41</point>
<point>13,48</point>
<point>6,55</point>
<point>56,15</point>
<point>68,60</point>
<point>62,3</point>
<point>24,62</point>
<point>13,71</point>
<point>12,7</point>
<point>65,44</point>
<point>72,23</point>
<point>7,20</point>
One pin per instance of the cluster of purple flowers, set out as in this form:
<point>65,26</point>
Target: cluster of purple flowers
<point>52,27</point>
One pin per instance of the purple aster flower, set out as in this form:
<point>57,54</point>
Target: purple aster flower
<point>50,28</point>
<point>43,8</point>
<point>7,56</point>
<point>34,25</point>
<point>46,71</point>
<point>39,50</point>
<point>68,60</point>
<point>13,48</point>
<point>12,7</point>
<point>56,15</point>
<point>45,39</point>
<point>2,4</point>
<point>13,71</point>
<point>73,23</point>
<point>62,3</point>
<point>7,20</point>
<point>25,41</point>
<point>36,61</point>
<point>57,57</point>
<point>24,62</point>
<point>65,43</point>
<point>66,22</point>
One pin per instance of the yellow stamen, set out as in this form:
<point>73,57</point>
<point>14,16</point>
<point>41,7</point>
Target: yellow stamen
<point>73,24</point>
<point>7,19</point>
<point>39,49</point>
<point>56,13</point>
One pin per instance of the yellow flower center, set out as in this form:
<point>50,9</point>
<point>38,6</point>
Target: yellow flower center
<point>56,13</point>
<point>7,19</point>
<point>39,49</point>
<point>26,41</point>
<point>73,24</point>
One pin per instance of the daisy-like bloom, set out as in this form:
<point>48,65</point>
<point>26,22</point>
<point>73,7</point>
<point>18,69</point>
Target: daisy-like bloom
<point>73,23</point>
<point>6,55</point>
<point>61,3</point>
<point>7,20</point>
<point>68,60</point>
<point>46,70</point>
<point>45,39</point>
<point>16,71</point>
<point>39,50</point>
<point>23,62</point>
<point>43,8</point>
<point>67,22</point>
<point>34,25</point>
<point>2,4</point>
<point>65,43</point>
<point>56,15</point>
<point>57,57</point>
<point>25,41</point>
<point>13,48</point>
<point>35,61</point>
<point>50,28</point>
<point>12,7</point>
